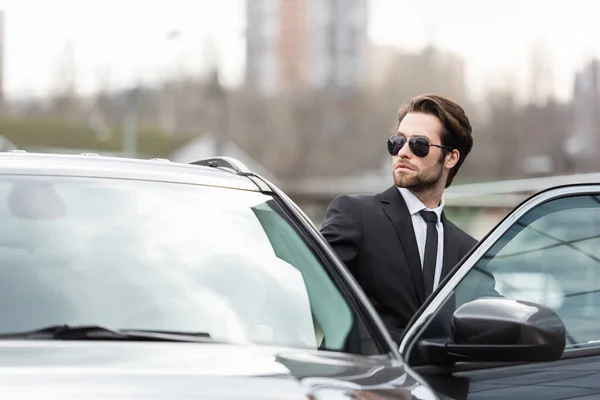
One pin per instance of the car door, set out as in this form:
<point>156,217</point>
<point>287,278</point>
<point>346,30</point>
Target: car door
<point>547,251</point>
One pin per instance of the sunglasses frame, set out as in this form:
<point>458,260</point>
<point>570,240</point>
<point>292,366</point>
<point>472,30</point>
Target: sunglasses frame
<point>411,145</point>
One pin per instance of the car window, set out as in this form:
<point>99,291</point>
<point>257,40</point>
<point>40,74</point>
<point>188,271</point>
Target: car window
<point>163,256</point>
<point>550,256</point>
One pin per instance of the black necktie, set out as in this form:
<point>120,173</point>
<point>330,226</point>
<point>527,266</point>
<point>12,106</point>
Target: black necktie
<point>431,245</point>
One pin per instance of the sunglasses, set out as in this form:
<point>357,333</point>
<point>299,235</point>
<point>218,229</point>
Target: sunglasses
<point>419,145</point>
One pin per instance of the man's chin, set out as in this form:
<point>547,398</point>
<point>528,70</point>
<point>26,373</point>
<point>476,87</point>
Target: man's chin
<point>403,178</point>
<point>405,183</point>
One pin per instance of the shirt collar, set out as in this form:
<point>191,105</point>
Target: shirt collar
<point>415,205</point>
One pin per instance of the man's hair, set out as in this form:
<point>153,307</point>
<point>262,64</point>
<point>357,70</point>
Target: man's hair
<point>456,128</point>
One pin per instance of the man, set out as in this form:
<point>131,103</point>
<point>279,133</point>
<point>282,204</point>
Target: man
<point>398,244</point>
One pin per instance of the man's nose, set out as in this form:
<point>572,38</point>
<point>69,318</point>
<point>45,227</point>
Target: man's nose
<point>405,151</point>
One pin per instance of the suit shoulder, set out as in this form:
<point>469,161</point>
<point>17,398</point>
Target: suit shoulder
<point>356,204</point>
<point>361,199</point>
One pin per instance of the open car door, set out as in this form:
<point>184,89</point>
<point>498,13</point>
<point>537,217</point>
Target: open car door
<point>519,317</point>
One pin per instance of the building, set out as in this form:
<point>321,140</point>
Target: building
<point>305,44</point>
<point>261,44</point>
<point>1,62</point>
<point>428,70</point>
<point>337,43</point>
<point>582,143</point>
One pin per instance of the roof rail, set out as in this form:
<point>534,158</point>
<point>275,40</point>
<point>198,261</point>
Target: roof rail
<point>226,162</point>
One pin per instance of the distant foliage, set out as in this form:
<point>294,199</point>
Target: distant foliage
<point>54,132</point>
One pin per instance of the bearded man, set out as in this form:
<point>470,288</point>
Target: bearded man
<point>398,244</point>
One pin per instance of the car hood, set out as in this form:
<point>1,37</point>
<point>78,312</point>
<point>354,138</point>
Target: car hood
<point>125,370</point>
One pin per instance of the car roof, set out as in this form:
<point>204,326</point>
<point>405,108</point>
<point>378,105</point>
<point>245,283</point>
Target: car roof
<point>94,165</point>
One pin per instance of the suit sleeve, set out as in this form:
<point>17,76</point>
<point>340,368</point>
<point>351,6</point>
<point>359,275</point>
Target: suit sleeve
<point>342,228</point>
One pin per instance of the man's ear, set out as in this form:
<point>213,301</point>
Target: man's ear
<point>452,159</point>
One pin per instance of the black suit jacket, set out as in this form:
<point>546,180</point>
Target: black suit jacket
<point>374,236</point>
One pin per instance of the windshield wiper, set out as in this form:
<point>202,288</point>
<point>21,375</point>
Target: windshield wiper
<point>96,332</point>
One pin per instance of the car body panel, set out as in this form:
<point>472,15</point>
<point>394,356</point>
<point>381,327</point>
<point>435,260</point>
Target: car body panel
<point>132,370</point>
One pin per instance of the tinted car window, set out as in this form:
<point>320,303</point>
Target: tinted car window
<point>550,256</point>
<point>162,256</point>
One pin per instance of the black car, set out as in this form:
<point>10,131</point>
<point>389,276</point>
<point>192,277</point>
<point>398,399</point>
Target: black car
<point>123,279</point>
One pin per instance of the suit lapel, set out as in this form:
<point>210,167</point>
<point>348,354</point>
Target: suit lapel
<point>451,248</point>
<point>395,208</point>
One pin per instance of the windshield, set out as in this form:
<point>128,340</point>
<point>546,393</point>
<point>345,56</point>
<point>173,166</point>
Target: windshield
<point>161,256</point>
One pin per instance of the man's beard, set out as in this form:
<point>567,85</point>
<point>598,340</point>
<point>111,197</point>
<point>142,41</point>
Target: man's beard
<point>423,181</point>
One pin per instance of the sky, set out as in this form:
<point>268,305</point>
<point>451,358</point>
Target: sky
<point>124,41</point>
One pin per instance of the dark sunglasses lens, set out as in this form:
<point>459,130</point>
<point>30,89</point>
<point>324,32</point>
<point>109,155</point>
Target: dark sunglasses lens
<point>395,143</point>
<point>419,146</point>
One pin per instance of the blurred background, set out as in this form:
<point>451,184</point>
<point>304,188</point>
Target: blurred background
<point>306,91</point>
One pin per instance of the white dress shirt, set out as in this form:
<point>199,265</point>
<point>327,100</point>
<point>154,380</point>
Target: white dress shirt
<point>420,226</point>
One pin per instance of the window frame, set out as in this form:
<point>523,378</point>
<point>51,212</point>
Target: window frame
<point>338,272</point>
<point>435,303</point>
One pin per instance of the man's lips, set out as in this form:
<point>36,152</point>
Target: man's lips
<point>404,167</point>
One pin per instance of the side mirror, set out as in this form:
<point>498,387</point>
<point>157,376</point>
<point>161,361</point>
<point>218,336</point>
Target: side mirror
<point>500,330</point>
